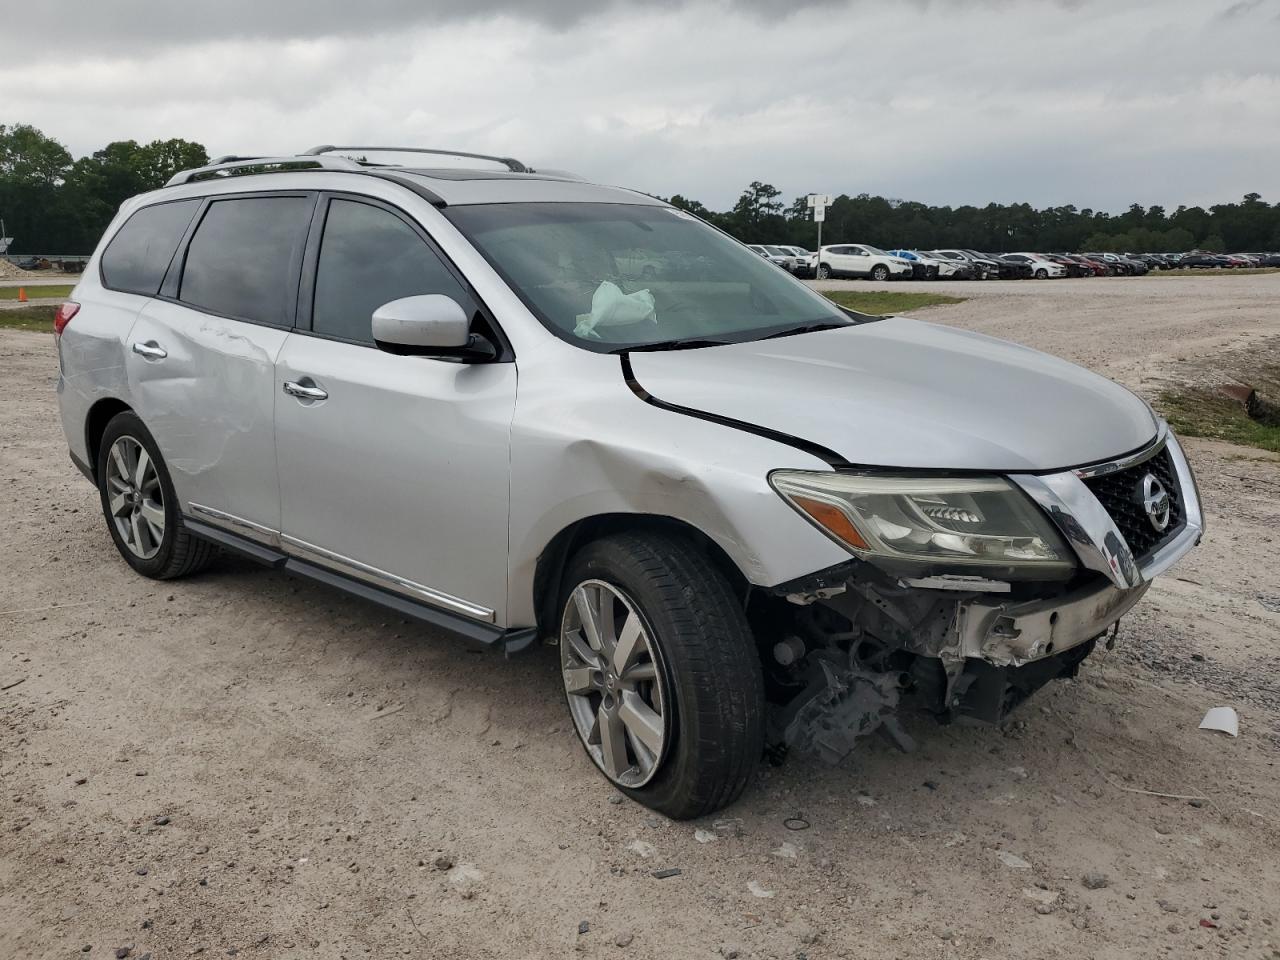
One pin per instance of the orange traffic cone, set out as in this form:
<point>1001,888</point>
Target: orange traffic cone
<point>22,294</point>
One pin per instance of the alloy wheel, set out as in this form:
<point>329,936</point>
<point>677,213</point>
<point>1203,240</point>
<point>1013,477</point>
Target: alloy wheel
<point>615,683</point>
<point>135,498</point>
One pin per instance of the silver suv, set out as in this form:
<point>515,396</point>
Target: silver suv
<point>750,520</point>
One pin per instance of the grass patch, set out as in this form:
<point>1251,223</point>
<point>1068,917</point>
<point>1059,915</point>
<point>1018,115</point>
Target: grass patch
<point>11,293</point>
<point>1199,412</point>
<point>28,318</point>
<point>879,303</point>
<point>1192,272</point>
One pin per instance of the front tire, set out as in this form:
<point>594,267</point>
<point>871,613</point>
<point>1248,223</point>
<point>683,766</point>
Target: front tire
<point>1042,274</point>
<point>880,273</point>
<point>661,673</point>
<point>824,272</point>
<point>140,506</point>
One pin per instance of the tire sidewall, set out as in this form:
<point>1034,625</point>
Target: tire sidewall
<point>129,425</point>
<point>879,274</point>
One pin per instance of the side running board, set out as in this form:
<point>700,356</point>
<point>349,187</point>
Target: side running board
<point>485,634</point>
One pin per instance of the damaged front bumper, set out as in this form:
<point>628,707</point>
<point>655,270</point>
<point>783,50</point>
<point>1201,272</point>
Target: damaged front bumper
<point>964,646</point>
<point>1012,634</point>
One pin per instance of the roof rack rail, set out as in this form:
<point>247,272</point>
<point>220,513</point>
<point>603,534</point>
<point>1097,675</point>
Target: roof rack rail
<point>512,164</point>
<point>240,166</point>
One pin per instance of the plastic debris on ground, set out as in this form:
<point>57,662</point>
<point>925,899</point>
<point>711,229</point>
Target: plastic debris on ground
<point>1224,719</point>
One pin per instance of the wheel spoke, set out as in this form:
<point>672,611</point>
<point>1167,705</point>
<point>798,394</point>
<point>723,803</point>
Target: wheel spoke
<point>642,721</point>
<point>140,471</point>
<point>117,456</point>
<point>613,742</point>
<point>581,651</point>
<point>589,616</point>
<point>135,526</point>
<point>630,638</point>
<point>119,504</point>
<point>577,680</point>
<point>645,758</point>
<point>154,515</point>
<point>640,672</point>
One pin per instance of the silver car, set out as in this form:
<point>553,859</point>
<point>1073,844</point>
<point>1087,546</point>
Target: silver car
<point>749,520</point>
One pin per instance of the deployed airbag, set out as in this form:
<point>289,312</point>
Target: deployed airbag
<point>610,307</point>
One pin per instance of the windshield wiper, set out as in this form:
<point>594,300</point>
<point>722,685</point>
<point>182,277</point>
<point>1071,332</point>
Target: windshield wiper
<point>683,343</point>
<point>811,328</point>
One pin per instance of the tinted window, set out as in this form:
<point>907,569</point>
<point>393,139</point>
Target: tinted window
<point>368,257</point>
<point>240,261</point>
<point>138,255</point>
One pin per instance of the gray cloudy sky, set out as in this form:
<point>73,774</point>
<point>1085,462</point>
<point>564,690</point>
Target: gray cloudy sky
<point>1099,103</point>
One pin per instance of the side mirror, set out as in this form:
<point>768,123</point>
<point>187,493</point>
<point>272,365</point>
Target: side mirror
<point>430,325</point>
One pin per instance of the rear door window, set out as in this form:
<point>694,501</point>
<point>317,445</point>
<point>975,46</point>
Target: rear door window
<point>138,255</point>
<point>370,256</point>
<point>244,258</point>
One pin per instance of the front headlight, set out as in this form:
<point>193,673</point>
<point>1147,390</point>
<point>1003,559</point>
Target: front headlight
<point>916,523</point>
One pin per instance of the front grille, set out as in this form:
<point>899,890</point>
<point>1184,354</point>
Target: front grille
<point>1121,494</point>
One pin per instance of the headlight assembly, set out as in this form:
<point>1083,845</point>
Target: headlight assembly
<point>983,524</point>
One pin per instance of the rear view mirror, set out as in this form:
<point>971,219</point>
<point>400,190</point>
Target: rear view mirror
<point>432,325</point>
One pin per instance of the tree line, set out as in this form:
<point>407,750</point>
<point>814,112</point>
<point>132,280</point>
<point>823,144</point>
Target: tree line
<point>761,216</point>
<point>54,204</point>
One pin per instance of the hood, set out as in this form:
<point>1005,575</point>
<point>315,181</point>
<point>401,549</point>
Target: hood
<point>902,393</point>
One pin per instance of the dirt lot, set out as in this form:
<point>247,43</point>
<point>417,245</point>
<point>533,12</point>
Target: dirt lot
<point>243,763</point>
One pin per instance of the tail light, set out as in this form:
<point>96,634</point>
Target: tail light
<point>65,312</point>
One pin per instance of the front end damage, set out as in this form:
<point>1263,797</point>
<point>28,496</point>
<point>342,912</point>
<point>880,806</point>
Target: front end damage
<point>853,645</point>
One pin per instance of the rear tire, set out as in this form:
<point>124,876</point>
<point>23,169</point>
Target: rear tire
<point>706,694</point>
<point>140,506</point>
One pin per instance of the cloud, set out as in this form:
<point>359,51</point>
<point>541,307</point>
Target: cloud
<point>145,23</point>
<point>1087,102</point>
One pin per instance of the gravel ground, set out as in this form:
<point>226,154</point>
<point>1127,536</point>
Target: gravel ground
<point>244,763</point>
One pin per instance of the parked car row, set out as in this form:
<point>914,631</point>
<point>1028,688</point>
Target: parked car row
<point>846,260</point>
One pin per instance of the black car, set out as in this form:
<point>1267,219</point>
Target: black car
<point>1202,261</point>
<point>1013,269</point>
<point>1149,261</point>
<point>990,265</point>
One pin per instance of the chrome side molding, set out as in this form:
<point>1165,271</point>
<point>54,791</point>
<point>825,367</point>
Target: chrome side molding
<point>246,528</point>
<point>381,578</point>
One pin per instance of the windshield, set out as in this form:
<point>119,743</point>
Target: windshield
<point>608,276</point>
<point>778,251</point>
<point>874,251</point>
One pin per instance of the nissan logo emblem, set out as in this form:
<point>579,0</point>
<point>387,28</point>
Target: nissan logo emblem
<point>1155,501</point>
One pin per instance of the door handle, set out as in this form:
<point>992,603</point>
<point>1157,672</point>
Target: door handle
<point>305,391</point>
<point>151,350</point>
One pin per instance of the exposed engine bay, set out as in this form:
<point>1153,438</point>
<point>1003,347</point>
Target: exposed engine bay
<point>851,646</point>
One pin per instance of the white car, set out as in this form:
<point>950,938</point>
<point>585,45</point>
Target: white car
<point>1041,268</point>
<point>860,260</point>
<point>773,255</point>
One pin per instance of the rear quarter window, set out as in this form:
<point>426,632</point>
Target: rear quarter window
<point>138,255</point>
